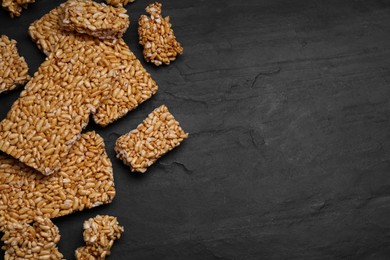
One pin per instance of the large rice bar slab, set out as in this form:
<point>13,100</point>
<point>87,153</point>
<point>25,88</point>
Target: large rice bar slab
<point>98,20</point>
<point>13,68</point>
<point>47,119</point>
<point>37,241</point>
<point>118,3</point>
<point>155,136</point>
<point>15,7</point>
<point>131,84</point>
<point>157,37</point>
<point>85,181</point>
<point>99,234</point>
<point>81,76</point>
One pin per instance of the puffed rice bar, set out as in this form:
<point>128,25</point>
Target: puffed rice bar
<point>80,77</point>
<point>99,235</point>
<point>15,7</point>
<point>85,181</point>
<point>155,136</point>
<point>98,20</point>
<point>118,3</point>
<point>36,241</point>
<point>13,68</point>
<point>157,37</point>
<point>131,83</point>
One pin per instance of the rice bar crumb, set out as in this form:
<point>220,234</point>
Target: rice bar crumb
<point>13,68</point>
<point>155,136</point>
<point>95,19</point>
<point>118,3</point>
<point>99,235</point>
<point>85,181</point>
<point>157,37</point>
<point>36,241</point>
<point>15,7</point>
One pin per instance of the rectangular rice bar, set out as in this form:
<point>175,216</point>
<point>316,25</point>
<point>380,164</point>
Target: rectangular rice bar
<point>95,19</point>
<point>85,181</point>
<point>155,136</point>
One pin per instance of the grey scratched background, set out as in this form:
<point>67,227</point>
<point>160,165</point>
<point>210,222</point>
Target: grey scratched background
<point>288,108</point>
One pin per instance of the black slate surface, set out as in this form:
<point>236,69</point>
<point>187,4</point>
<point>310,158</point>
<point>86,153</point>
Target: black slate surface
<point>287,106</point>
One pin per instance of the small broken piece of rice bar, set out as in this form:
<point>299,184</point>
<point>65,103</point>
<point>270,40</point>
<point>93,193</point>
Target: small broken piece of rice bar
<point>95,19</point>
<point>36,241</point>
<point>14,7</point>
<point>118,3</point>
<point>85,181</point>
<point>47,31</point>
<point>99,235</point>
<point>13,68</point>
<point>155,136</point>
<point>157,37</point>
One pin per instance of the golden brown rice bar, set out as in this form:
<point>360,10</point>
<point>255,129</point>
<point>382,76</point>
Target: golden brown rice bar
<point>13,68</point>
<point>47,31</point>
<point>85,181</point>
<point>155,136</point>
<point>99,234</point>
<point>98,20</point>
<point>118,3</point>
<point>131,84</point>
<point>157,37</point>
<point>14,7</point>
<point>81,76</point>
<point>36,241</point>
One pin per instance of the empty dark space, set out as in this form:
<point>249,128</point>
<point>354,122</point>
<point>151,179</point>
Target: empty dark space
<point>287,104</point>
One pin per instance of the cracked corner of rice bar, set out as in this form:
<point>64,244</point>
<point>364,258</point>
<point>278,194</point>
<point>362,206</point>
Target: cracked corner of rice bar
<point>15,7</point>
<point>95,19</point>
<point>157,37</point>
<point>118,3</point>
<point>85,181</point>
<point>36,241</point>
<point>155,136</point>
<point>99,235</point>
<point>81,76</point>
<point>13,67</point>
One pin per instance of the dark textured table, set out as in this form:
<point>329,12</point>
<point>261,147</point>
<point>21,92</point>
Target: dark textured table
<point>288,108</point>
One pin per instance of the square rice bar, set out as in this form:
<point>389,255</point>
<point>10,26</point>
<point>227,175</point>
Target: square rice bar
<point>155,136</point>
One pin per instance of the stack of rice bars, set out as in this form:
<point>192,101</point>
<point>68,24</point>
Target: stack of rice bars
<point>49,168</point>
